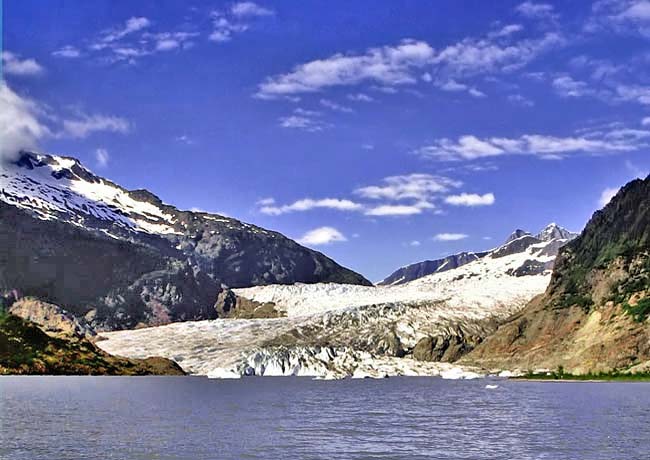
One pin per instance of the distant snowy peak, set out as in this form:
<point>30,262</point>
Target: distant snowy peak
<point>521,240</point>
<point>554,232</point>
<point>517,242</point>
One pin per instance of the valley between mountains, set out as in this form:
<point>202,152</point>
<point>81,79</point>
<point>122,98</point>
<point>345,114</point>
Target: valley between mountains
<point>118,272</point>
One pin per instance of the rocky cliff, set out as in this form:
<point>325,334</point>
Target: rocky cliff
<point>594,313</point>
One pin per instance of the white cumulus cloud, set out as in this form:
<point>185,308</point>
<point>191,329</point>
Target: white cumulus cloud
<point>450,236</point>
<point>394,210</point>
<point>13,65</point>
<point>247,9</point>
<point>470,199</point>
<point>20,127</point>
<point>322,236</point>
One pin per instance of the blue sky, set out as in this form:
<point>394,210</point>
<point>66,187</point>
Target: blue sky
<point>381,133</point>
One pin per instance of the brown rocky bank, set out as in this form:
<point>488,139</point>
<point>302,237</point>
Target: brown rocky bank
<point>38,338</point>
<point>594,315</point>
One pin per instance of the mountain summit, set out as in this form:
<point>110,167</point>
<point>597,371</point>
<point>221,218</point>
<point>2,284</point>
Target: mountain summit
<point>554,232</point>
<point>124,257</point>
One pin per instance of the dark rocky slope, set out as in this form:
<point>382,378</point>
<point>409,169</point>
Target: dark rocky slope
<point>594,314</point>
<point>123,258</point>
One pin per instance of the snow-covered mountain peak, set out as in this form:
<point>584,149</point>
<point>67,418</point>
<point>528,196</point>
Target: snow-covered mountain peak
<point>56,187</point>
<point>554,232</point>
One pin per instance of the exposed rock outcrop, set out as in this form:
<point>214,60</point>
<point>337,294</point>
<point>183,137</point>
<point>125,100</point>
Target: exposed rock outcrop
<point>52,319</point>
<point>445,348</point>
<point>230,305</point>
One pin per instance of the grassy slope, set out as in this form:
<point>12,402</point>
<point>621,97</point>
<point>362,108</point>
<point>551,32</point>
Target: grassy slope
<point>25,349</point>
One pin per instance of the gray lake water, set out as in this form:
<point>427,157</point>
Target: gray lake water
<point>293,418</point>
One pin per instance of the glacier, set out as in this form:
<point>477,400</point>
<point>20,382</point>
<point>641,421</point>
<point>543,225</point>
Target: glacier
<point>335,330</point>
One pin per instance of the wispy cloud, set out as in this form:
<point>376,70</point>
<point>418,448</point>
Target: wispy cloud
<point>102,157</point>
<point>620,16</point>
<point>470,199</point>
<point>454,86</point>
<point>450,236</point>
<point>305,120</point>
<point>606,196</point>
<point>250,9</point>
<point>535,10</point>
<point>360,97</point>
<point>322,236</point>
<point>85,125</point>
<point>411,61</point>
<point>268,201</point>
<point>128,42</point>
<point>13,64</point>
<point>169,41</point>
<point>335,106</point>
<point>68,52</point>
<point>184,139</point>
<point>566,86</point>
<point>420,187</point>
<point>471,147</point>
<point>521,100</point>
<point>227,24</point>
<point>635,172</point>
<point>406,195</point>
<point>389,65</point>
<point>130,26</point>
<point>634,93</point>
<point>309,204</point>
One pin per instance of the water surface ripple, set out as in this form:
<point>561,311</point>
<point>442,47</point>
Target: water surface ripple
<point>296,418</point>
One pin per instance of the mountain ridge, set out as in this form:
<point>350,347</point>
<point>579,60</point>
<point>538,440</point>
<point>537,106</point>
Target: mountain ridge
<point>60,220</point>
<point>420,269</point>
